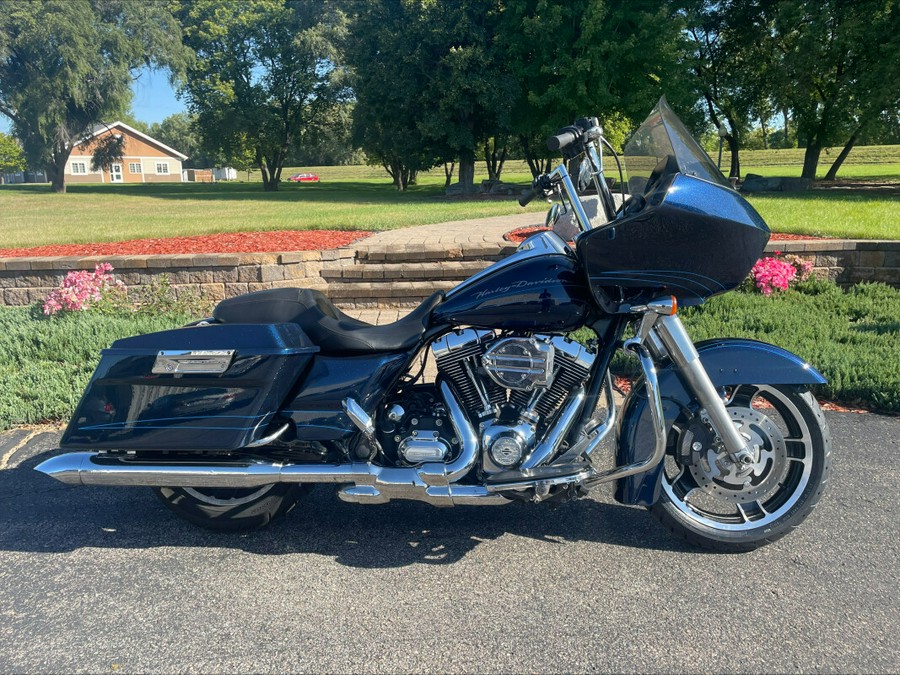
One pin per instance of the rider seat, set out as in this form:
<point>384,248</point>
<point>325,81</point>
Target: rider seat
<point>328,327</point>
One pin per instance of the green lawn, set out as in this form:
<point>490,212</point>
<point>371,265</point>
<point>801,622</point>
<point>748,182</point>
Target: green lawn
<point>888,171</point>
<point>831,214</point>
<point>32,216</point>
<point>362,198</point>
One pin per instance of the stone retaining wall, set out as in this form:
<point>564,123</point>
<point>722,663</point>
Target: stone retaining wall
<point>24,281</point>
<point>848,261</point>
<point>27,280</point>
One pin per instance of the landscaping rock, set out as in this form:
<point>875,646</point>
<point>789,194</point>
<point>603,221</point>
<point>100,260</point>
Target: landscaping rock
<point>756,183</point>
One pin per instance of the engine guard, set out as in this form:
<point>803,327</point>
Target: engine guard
<point>728,361</point>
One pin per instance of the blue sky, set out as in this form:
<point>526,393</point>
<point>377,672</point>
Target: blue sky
<point>154,99</point>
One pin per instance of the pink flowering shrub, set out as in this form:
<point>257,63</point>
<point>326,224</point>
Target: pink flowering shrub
<point>81,290</point>
<point>804,266</point>
<point>777,273</point>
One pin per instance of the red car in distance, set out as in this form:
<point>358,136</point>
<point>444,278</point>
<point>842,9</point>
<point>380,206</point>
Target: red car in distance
<point>304,178</point>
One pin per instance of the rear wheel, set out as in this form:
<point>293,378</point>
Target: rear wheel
<point>232,509</point>
<point>716,504</point>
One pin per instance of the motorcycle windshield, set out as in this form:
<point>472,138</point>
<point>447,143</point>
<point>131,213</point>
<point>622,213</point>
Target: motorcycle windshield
<point>662,146</point>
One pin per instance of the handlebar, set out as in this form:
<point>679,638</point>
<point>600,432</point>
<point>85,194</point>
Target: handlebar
<point>539,187</point>
<point>563,139</point>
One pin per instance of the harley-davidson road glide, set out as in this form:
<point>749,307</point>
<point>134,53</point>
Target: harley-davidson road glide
<point>232,419</point>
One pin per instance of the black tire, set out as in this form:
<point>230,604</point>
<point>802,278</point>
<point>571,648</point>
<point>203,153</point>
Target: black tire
<point>790,476</point>
<point>232,509</point>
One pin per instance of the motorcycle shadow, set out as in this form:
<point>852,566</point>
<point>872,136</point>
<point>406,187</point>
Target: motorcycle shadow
<point>38,514</point>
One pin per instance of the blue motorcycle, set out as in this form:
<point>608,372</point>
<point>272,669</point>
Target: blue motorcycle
<point>232,419</point>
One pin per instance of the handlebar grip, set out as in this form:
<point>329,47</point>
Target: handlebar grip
<point>561,140</point>
<point>528,195</point>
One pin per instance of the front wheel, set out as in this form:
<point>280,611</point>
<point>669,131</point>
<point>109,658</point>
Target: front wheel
<point>713,503</point>
<point>232,509</point>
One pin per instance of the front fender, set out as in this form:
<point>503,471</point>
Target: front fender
<point>728,361</point>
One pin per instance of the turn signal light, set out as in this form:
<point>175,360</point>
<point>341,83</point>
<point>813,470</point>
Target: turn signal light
<point>664,306</point>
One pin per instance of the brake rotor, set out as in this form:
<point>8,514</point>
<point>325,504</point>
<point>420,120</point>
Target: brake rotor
<point>717,475</point>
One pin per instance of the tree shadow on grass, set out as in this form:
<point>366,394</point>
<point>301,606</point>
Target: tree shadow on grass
<point>830,195</point>
<point>41,515</point>
<point>349,191</point>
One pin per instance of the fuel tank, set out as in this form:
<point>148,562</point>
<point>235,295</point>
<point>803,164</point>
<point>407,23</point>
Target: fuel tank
<point>538,288</point>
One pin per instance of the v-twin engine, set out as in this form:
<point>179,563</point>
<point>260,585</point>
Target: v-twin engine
<point>514,388</point>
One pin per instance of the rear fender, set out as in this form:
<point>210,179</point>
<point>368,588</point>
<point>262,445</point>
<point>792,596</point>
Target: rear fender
<point>728,361</point>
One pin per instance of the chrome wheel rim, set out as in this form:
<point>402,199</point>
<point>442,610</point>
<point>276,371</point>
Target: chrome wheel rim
<point>716,494</point>
<point>227,496</point>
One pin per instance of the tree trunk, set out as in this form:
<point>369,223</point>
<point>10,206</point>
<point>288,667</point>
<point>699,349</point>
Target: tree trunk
<point>787,134</point>
<point>811,159</point>
<point>467,171</point>
<point>448,173</point>
<point>56,171</point>
<point>832,172</point>
<point>58,182</point>
<point>536,165</point>
<point>488,160</point>
<point>765,133</point>
<point>733,148</point>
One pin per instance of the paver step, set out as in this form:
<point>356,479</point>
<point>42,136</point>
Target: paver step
<point>424,270</point>
<point>435,252</point>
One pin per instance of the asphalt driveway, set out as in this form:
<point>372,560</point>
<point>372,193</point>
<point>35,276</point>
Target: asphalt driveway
<point>105,579</point>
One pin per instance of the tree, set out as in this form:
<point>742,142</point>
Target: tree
<point>388,81</point>
<point>265,70</point>
<point>333,145</point>
<point>836,64</point>
<point>469,90</point>
<point>11,157</point>
<point>590,57</point>
<point>181,131</point>
<point>106,151</point>
<point>67,65</point>
<point>728,65</point>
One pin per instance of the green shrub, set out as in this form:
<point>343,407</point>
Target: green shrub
<point>46,362</point>
<point>852,337</point>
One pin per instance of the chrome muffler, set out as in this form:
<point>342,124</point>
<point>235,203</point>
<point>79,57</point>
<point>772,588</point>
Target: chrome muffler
<point>430,482</point>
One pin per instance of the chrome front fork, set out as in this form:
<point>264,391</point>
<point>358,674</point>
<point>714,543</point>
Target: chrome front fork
<point>677,344</point>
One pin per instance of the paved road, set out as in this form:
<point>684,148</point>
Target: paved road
<point>105,579</point>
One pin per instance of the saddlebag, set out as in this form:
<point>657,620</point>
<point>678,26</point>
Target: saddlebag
<point>213,387</point>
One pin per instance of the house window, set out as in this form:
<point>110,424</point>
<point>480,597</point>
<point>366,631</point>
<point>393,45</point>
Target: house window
<point>79,168</point>
<point>134,167</point>
<point>162,168</point>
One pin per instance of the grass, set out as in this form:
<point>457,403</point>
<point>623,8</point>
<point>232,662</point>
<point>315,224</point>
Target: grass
<point>851,337</point>
<point>872,172</point>
<point>831,214</point>
<point>46,362</point>
<point>32,216</point>
<point>362,198</point>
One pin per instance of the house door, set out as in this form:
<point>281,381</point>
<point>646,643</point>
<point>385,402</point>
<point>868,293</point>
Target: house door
<point>115,173</point>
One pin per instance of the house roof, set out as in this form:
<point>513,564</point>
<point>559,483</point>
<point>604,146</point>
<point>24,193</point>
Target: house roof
<point>100,128</point>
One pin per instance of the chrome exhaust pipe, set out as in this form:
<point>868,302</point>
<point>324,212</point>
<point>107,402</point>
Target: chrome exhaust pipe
<point>431,482</point>
<point>368,484</point>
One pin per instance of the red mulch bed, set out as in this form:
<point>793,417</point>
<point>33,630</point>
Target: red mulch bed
<point>521,234</point>
<point>230,242</point>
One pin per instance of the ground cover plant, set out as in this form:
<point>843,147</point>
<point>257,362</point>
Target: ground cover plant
<point>46,362</point>
<point>850,336</point>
